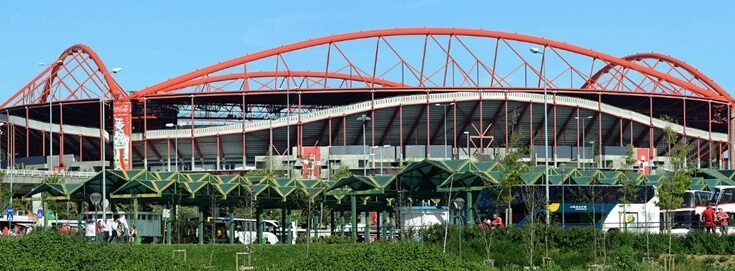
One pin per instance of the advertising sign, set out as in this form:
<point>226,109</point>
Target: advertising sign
<point>121,134</point>
<point>311,163</point>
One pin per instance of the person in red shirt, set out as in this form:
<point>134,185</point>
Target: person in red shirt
<point>497,222</point>
<point>723,218</point>
<point>708,218</point>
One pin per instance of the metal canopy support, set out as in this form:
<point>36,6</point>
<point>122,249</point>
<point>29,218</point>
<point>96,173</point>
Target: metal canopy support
<point>353,214</point>
<point>259,236</point>
<point>367,227</point>
<point>200,227</point>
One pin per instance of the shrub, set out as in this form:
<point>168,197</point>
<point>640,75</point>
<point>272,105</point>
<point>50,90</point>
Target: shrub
<point>379,256</point>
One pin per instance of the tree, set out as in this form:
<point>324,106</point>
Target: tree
<point>671,189</point>
<point>340,172</point>
<point>629,187</point>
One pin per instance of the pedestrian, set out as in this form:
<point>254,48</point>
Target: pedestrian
<point>708,218</point>
<point>497,222</point>
<point>723,217</point>
<point>133,234</point>
<point>119,232</point>
<point>5,231</point>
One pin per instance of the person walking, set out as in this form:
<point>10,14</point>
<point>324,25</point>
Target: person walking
<point>723,218</point>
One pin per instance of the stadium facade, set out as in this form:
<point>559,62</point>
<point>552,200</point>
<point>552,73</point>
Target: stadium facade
<point>374,100</point>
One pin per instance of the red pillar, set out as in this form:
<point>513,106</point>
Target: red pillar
<point>651,147</point>
<point>61,135</point>
<point>400,129</point>
<point>530,132</point>
<point>145,136</point>
<point>244,122</point>
<point>81,150</point>
<point>455,150</point>
<point>428,127</point>
<point>28,136</point>
<point>191,129</point>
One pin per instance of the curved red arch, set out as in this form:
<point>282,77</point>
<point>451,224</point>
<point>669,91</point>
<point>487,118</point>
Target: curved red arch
<point>267,74</point>
<point>115,88</point>
<point>678,62</point>
<point>39,87</point>
<point>425,31</point>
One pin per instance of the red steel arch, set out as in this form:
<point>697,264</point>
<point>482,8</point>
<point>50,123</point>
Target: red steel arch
<point>77,74</point>
<point>675,67</point>
<point>309,77</point>
<point>668,84</point>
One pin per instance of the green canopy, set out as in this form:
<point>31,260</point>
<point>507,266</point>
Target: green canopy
<point>57,191</point>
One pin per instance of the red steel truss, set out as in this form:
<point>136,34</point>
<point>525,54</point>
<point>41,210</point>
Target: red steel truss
<point>438,58</point>
<point>78,74</point>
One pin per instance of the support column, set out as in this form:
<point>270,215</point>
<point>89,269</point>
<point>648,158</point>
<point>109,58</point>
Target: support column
<point>470,217</point>
<point>332,223</point>
<point>244,122</point>
<point>259,222</point>
<point>383,225</point>
<point>61,137</point>
<point>191,128</point>
<point>145,136</point>
<point>315,226</point>
<point>289,237</point>
<point>200,226</point>
<point>217,164</point>
<point>135,220</point>
<point>79,218</point>
<point>342,223</point>
<point>283,224</point>
<point>367,227</point>
<point>353,214</point>
<point>232,227</point>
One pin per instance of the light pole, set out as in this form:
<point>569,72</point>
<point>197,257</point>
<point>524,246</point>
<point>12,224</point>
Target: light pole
<point>583,132</point>
<point>546,132</point>
<point>364,118</point>
<point>50,99</point>
<point>445,127</point>
<point>467,134</point>
<point>104,161</point>
<point>176,145</point>
<point>7,163</point>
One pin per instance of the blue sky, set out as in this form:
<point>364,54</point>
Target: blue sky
<point>155,40</point>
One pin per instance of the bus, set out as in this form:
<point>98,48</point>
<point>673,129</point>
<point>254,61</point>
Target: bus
<point>723,196</point>
<point>246,230</point>
<point>577,206</point>
<point>685,219</point>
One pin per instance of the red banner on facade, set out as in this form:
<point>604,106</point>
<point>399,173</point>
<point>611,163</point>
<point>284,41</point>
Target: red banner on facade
<point>121,134</point>
<point>311,165</point>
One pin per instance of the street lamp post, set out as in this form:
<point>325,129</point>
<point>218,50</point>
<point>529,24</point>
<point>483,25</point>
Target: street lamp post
<point>583,142</point>
<point>7,165</point>
<point>546,132</point>
<point>104,162</point>
<point>445,127</point>
<point>176,145</point>
<point>364,118</point>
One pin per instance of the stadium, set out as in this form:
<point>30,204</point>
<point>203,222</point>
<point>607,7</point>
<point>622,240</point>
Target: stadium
<point>373,101</point>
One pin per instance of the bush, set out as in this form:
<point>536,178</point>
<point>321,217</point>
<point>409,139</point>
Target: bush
<point>49,250</point>
<point>379,256</point>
